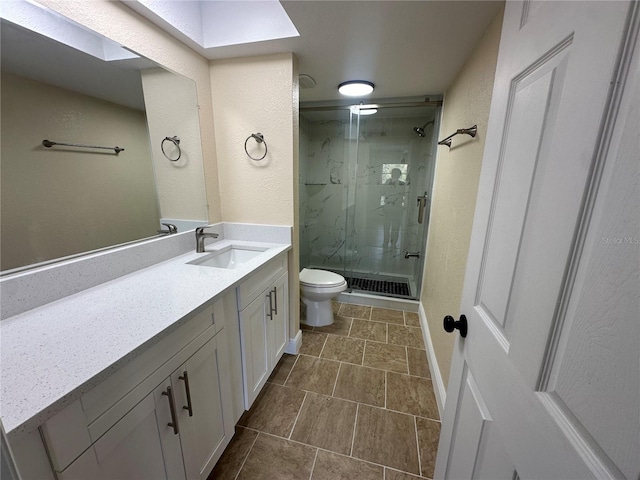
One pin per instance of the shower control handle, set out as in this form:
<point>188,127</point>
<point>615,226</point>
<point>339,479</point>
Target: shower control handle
<point>422,203</point>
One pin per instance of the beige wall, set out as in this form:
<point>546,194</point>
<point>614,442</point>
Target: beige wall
<point>466,103</point>
<point>62,201</point>
<point>253,95</point>
<point>172,110</point>
<point>250,95</point>
<point>121,24</point>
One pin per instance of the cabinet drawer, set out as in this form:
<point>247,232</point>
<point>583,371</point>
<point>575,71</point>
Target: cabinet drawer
<point>255,284</point>
<point>73,430</point>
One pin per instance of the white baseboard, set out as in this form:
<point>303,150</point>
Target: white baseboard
<point>294,344</point>
<point>436,377</point>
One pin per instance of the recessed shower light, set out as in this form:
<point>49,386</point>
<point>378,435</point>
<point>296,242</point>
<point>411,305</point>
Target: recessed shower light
<point>355,88</point>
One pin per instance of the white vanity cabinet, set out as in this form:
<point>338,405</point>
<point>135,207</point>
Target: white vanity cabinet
<point>167,414</point>
<point>263,302</point>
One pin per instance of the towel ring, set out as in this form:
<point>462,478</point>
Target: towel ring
<point>176,141</point>
<point>259,138</point>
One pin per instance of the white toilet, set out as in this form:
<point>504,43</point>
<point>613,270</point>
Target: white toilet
<point>317,288</point>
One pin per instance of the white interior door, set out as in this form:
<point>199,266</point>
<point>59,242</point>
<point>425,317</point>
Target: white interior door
<point>547,383</point>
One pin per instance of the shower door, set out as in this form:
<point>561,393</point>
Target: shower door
<point>391,171</point>
<point>360,180</point>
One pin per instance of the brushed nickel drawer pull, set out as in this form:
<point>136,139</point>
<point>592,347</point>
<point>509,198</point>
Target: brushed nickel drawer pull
<point>185,378</point>
<point>172,407</point>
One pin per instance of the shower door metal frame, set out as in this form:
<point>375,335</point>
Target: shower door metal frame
<point>352,184</point>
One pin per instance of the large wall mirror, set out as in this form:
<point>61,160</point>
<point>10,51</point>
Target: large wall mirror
<point>64,200</point>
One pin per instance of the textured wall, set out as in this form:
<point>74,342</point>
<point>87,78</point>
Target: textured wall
<point>172,110</point>
<point>250,95</point>
<point>253,95</point>
<point>50,196</point>
<point>466,103</point>
<point>121,24</point>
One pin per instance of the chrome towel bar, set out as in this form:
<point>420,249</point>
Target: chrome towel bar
<point>49,144</point>
<point>471,131</point>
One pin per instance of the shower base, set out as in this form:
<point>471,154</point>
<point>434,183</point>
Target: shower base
<point>392,288</point>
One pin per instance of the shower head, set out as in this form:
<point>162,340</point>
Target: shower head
<point>420,130</point>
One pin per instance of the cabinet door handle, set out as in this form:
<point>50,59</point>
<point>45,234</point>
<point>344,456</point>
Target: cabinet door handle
<point>172,407</point>
<point>185,378</point>
<point>275,295</point>
<point>270,312</point>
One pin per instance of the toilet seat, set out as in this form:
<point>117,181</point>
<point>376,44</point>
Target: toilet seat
<point>320,278</point>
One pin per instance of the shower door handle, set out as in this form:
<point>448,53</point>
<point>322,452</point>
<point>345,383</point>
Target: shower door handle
<point>422,203</point>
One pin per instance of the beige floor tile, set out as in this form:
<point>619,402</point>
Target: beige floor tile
<point>396,475</point>
<point>408,336</point>
<point>344,349</point>
<point>340,326</point>
<point>275,410</point>
<point>355,311</point>
<point>312,343</point>
<point>231,460</point>
<point>387,438</point>
<point>335,306</point>
<point>330,466</point>
<point>411,319</point>
<point>412,395</point>
<point>386,357</point>
<point>304,326</point>
<point>273,458</point>
<point>418,364</point>
<point>282,369</point>
<point>313,374</point>
<point>367,330</point>
<point>428,436</point>
<point>326,422</point>
<point>387,315</point>
<point>360,384</point>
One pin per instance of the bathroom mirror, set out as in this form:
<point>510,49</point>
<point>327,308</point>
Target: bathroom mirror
<point>64,200</point>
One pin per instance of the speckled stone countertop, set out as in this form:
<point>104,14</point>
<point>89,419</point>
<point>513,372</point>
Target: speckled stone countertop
<point>53,354</point>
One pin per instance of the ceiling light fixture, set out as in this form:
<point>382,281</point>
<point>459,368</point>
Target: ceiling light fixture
<point>355,88</point>
<point>367,111</point>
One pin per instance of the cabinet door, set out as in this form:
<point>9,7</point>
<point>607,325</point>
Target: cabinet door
<point>200,410</point>
<point>279,322</point>
<point>254,340</point>
<point>139,446</point>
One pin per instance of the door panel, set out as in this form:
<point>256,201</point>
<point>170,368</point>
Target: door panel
<point>139,446</point>
<point>203,432</point>
<point>279,322</point>
<point>254,339</point>
<point>472,420</point>
<point>552,282</point>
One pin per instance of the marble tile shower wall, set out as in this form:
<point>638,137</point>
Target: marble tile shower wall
<point>343,207</point>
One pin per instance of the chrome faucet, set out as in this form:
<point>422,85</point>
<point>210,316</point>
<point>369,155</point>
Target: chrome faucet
<point>201,235</point>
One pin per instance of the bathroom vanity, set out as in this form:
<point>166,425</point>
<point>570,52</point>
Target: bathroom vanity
<point>146,375</point>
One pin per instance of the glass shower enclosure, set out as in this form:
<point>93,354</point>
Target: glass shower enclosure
<point>365,193</point>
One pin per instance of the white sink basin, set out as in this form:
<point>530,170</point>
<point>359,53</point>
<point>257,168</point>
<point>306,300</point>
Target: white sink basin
<point>229,257</point>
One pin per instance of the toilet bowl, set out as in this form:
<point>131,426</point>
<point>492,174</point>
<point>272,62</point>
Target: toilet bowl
<point>317,288</point>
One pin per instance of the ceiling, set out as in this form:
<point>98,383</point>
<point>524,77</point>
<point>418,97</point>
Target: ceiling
<point>407,48</point>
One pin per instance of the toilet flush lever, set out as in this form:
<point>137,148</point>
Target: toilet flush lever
<point>422,203</point>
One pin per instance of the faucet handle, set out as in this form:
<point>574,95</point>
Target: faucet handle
<point>171,229</point>
<point>200,230</point>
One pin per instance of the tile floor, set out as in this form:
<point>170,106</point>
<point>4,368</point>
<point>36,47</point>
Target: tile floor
<point>356,403</point>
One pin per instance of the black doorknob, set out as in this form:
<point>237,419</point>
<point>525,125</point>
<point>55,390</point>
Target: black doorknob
<point>450,325</point>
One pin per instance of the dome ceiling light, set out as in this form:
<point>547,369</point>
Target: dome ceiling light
<point>355,88</point>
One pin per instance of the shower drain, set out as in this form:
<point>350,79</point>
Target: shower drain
<point>379,286</point>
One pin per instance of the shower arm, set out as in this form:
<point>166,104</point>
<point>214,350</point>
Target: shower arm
<point>471,131</point>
